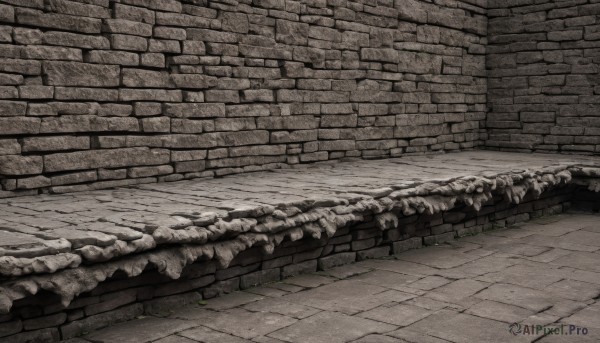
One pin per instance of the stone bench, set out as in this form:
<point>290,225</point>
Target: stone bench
<point>71,263</point>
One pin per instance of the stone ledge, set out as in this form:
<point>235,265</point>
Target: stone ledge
<point>251,211</point>
<point>120,298</point>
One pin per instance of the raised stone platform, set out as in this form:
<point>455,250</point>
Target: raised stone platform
<point>62,247</point>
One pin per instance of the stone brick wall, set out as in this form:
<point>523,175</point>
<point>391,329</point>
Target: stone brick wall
<point>103,93</point>
<point>543,61</point>
<point>42,318</point>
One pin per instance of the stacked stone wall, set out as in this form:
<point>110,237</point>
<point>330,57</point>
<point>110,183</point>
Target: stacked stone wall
<point>105,93</point>
<point>543,61</point>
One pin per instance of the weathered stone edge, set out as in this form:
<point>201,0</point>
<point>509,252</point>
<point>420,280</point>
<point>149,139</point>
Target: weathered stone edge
<point>426,198</point>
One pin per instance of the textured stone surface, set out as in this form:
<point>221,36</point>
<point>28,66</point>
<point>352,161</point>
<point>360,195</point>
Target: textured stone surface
<point>148,329</point>
<point>101,235</point>
<point>330,327</point>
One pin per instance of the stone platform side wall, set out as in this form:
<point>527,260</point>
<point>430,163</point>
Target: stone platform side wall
<point>103,93</point>
<point>543,62</point>
<point>42,317</point>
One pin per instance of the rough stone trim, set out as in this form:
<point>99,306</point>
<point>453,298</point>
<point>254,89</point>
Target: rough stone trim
<point>222,239</point>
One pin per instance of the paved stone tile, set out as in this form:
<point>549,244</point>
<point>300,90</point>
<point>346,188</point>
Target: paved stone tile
<point>396,296</point>
<point>378,339</point>
<point>583,237</point>
<point>549,255</point>
<point>465,246</point>
<point>499,311</point>
<point>347,296</point>
<point>572,335</point>
<point>519,296</point>
<point>410,290</point>
<point>399,315</point>
<point>555,226</point>
<point>399,266</point>
<point>537,275</point>
<point>478,267</point>
<point>437,257</point>
<point>548,219</point>
<point>174,339</point>
<point>490,242</point>
<point>574,290</point>
<point>237,321</point>
<point>309,280</point>
<point>278,305</point>
<point>140,330</point>
<point>587,317</point>
<point>204,334</point>
<point>460,327</point>
<point>429,282</point>
<point>573,220</point>
<point>564,307</point>
<point>522,249</point>
<point>589,338</point>
<point>386,279</point>
<point>557,242</point>
<point>581,275</point>
<point>457,290</point>
<point>344,272</point>
<point>408,335</point>
<point>267,291</point>
<point>428,303</point>
<point>542,318</point>
<point>580,260</point>
<point>514,232</point>
<point>266,339</point>
<point>232,300</point>
<point>330,327</point>
<point>591,228</point>
<point>285,287</point>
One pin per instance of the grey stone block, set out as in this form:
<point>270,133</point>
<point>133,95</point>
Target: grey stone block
<point>335,260</point>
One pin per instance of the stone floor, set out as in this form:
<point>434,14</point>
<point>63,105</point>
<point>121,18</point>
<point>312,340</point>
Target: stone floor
<point>545,272</point>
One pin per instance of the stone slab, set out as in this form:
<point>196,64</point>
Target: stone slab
<point>328,327</point>
<point>141,330</point>
<point>219,218</point>
<point>156,204</point>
